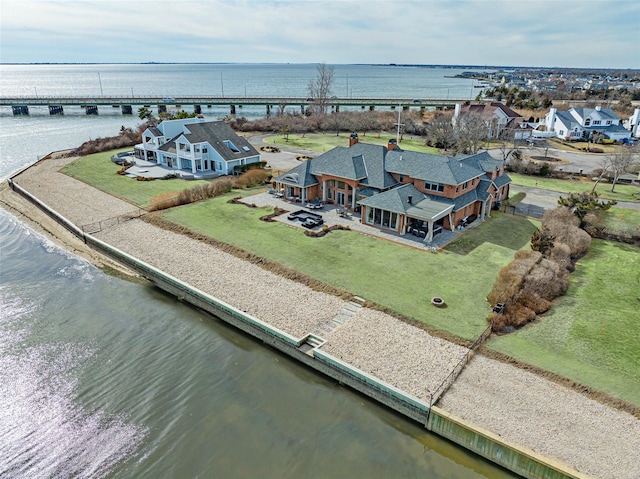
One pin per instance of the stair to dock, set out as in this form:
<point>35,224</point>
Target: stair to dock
<point>347,312</point>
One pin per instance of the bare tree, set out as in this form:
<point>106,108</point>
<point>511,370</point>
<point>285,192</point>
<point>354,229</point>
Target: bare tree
<point>617,163</point>
<point>470,130</point>
<point>320,88</point>
<point>507,143</point>
<point>440,132</point>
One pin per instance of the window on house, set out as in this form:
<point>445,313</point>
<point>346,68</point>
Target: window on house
<point>596,122</point>
<point>465,185</point>
<point>433,186</point>
<point>401,178</point>
<point>341,185</point>
<point>561,132</point>
<point>231,146</point>
<point>204,149</point>
<point>587,122</point>
<point>608,122</point>
<point>246,148</point>
<point>330,182</point>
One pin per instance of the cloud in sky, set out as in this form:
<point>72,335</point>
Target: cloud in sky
<point>570,33</point>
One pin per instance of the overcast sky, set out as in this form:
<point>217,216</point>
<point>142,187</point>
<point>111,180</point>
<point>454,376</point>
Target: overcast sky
<point>569,33</point>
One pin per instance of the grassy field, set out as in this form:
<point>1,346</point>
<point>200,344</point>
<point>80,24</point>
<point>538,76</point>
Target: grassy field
<point>401,278</point>
<point>100,172</point>
<point>621,219</point>
<point>593,334</point>
<point>578,185</point>
<point>324,142</point>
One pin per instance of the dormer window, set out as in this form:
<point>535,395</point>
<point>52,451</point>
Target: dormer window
<point>231,146</point>
<point>587,122</point>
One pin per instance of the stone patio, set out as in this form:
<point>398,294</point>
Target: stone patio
<point>331,216</point>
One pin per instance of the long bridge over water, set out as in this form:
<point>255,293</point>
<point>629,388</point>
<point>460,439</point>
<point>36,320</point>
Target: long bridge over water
<point>91,105</point>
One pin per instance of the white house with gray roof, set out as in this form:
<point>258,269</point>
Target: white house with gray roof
<point>398,190</point>
<point>580,123</point>
<point>196,147</point>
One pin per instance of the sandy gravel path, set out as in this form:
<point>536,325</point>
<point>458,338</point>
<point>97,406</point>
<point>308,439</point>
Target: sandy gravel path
<point>520,406</point>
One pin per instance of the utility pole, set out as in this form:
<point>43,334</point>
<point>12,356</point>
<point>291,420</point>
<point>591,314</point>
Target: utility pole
<point>222,84</point>
<point>398,134</point>
<point>100,81</point>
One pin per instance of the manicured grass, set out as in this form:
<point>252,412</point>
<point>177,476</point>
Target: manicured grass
<point>401,278</point>
<point>578,185</point>
<point>593,334</point>
<point>322,142</point>
<point>621,219</point>
<point>100,172</point>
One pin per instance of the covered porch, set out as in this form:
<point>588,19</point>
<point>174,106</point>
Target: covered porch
<point>427,220</point>
<point>405,210</point>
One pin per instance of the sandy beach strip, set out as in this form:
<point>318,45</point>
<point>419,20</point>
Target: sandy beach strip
<point>523,408</point>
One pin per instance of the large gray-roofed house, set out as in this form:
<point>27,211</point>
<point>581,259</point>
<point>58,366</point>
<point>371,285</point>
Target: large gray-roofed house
<point>197,147</point>
<point>400,190</point>
<point>580,123</point>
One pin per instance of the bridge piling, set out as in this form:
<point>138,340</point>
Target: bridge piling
<point>127,110</point>
<point>197,109</point>
<point>91,109</point>
<point>20,110</point>
<point>232,109</point>
<point>56,110</point>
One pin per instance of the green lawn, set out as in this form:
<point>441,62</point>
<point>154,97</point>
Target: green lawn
<point>593,334</point>
<point>322,142</point>
<point>100,172</point>
<point>401,278</point>
<point>578,185</point>
<point>621,219</point>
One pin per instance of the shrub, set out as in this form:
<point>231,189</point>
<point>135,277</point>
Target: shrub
<point>547,280</point>
<point>253,177</point>
<point>170,199</point>
<point>238,169</point>
<point>510,277</point>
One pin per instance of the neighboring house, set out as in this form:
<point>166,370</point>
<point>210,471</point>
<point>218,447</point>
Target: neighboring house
<point>580,123</point>
<point>209,148</point>
<point>634,123</point>
<point>498,117</point>
<point>398,190</point>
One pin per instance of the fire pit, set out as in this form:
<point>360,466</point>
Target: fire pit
<point>437,302</point>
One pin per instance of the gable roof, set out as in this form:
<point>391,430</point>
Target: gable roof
<point>604,113</point>
<point>299,176</point>
<point>371,166</point>
<point>488,110</point>
<point>362,162</point>
<point>215,133</point>
<point>422,206</point>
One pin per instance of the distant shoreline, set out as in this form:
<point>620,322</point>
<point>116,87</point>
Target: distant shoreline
<point>400,65</point>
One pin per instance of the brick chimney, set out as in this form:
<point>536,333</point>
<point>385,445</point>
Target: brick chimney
<point>353,139</point>
<point>392,145</point>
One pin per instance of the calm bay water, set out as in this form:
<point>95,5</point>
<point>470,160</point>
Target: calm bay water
<point>100,377</point>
